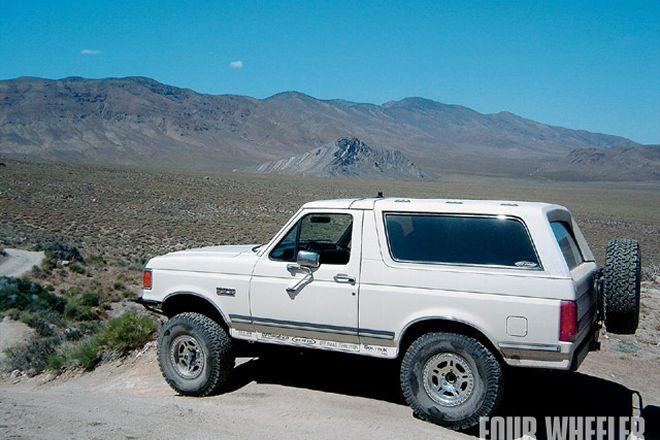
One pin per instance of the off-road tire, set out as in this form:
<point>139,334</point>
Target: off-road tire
<point>213,341</point>
<point>486,370</point>
<point>621,285</point>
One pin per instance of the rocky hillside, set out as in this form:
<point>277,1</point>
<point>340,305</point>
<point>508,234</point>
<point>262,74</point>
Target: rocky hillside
<point>139,121</point>
<point>619,163</point>
<point>346,157</point>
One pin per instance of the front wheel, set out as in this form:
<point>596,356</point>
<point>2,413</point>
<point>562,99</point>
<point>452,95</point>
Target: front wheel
<point>451,379</point>
<point>195,354</point>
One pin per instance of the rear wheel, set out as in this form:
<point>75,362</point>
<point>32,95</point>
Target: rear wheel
<point>195,354</point>
<point>451,379</point>
<point>621,286</point>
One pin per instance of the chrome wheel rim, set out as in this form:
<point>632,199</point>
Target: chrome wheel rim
<point>448,379</point>
<point>187,356</point>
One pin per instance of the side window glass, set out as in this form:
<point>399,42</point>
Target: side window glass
<point>327,234</point>
<point>567,244</point>
<point>286,249</point>
<point>434,238</point>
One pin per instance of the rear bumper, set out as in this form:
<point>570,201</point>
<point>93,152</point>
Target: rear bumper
<point>560,356</point>
<point>589,343</point>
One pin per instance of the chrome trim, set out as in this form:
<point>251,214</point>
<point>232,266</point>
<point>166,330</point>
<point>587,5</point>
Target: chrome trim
<point>225,291</point>
<point>554,348</point>
<point>308,258</point>
<point>308,326</point>
<point>344,278</point>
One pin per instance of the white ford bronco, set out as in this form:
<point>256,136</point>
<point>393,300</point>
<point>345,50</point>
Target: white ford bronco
<point>457,290</point>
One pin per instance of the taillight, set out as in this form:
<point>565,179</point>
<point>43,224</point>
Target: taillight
<point>146,279</point>
<point>567,321</point>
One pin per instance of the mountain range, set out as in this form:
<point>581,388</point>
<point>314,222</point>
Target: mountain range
<point>139,121</point>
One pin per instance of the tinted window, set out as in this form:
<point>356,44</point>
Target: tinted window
<point>286,247</point>
<point>500,241</point>
<point>567,244</point>
<point>327,234</point>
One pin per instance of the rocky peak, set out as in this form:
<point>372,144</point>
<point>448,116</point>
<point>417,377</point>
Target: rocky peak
<point>350,150</point>
<point>346,157</point>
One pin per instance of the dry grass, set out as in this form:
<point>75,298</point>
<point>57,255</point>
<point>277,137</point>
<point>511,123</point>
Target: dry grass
<point>128,215</point>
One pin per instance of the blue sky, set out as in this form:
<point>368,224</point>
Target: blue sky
<point>591,65</point>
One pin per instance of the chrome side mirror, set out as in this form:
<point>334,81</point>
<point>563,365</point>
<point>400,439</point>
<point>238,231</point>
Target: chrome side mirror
<point>308,259</point>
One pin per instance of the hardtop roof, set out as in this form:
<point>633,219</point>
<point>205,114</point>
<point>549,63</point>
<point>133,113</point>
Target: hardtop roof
<point>436,205</point>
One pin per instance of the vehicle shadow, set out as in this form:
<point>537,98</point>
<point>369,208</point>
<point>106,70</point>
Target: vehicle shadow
<point>546,394</point>
<point>321,371</point>
<point>529,392</point>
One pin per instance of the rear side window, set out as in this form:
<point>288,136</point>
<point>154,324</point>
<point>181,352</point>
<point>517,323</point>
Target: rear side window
<point>567,244</point>
<point>450,239</point>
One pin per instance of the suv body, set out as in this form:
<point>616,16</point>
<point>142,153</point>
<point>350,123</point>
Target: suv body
<point>373,276</point>
<point>367,304</point>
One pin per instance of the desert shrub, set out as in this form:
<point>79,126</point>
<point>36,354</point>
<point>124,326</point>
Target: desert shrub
<point>77,268</point>
<point>136,263</point>
<point>38,272</point>
<point>56,361</point>
<point>84,353</point>
<point>119,335</point>
<point>60,251</point>
<point>26,295</point>
<point>96,260</point>
<point>92,299</point>
<point>126,332</point>
<point>32,355</point>
<point>48,264</point>
<point>81,306</point>
<point>45,323</point>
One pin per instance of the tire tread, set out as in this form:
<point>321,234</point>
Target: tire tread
<point>621,286</point>
<point>494,380</point>
<point>220,357</point>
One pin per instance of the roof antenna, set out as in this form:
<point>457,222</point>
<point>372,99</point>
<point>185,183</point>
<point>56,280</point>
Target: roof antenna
<point>380,195</point>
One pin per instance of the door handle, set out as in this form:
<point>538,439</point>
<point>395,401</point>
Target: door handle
<point>343,278</point>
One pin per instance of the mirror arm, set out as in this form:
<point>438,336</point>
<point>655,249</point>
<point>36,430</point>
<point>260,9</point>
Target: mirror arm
<point>308,278</point>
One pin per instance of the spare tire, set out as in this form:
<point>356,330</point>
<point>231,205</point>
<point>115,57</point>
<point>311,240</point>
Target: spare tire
<point>621,284</point>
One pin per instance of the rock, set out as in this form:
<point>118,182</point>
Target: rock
<point>347,157</point>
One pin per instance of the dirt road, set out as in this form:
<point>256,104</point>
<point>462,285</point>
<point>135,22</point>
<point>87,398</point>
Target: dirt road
<point>288,395</point>
<point>313,395</point>
<point>19,261</point>
<point>132,401</point>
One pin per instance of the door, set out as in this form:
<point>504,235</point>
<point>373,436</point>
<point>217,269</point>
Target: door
<point>320,306</point>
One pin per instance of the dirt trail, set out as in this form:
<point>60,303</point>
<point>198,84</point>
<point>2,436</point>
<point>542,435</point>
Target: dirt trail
<point>132,401</point>
<point>313,395</point>
<point>19,261</point>
<point>289,395</point>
